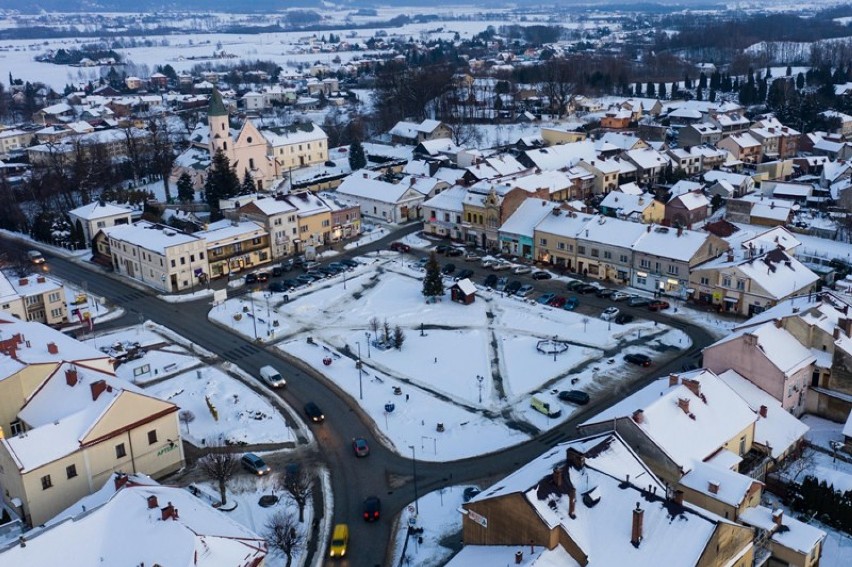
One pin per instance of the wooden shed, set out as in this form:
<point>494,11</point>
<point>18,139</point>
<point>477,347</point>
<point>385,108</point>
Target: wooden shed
<point>463,291</point>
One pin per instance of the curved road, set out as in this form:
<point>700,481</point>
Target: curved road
<point>383,473</point>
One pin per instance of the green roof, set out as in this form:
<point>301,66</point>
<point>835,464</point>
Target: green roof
<point>217,107</point>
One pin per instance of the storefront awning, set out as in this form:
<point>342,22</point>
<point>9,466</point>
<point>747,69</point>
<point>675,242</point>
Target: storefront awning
<point>731,299</point>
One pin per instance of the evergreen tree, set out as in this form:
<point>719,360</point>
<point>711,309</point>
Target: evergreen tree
<point>650,90</point>
<point>661,91</point>
<point>712,96</point>
<point>221,183</point>
<point>761,91</point>
<point>702,81</point>
<point>433,283</point>
<point>357,157</point>
<point>789,71</point>
<point>800,81</point>
<point>699,94</point>
<point>675,90</point>
<point>638,89</point>
<point>687,82</point>
<point>248,186</point>
<point>185,190</point>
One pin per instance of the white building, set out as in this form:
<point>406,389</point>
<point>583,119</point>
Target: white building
<point>379,199</point>
<point>97,215</point>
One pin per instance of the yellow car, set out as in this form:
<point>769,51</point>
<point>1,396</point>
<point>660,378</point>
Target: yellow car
<point>339,541</point>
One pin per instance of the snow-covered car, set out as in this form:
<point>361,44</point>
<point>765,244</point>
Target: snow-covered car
<point>525,290</point>
<point>610,313</point>
<point>619,296</point>
<point>499,265</point>
<point>522,270</point>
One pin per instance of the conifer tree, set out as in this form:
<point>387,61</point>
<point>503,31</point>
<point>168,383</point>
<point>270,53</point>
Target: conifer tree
<point>433,284</point>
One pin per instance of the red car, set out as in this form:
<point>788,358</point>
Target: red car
<point>558,302</point>
<point>658,305</point>
<point>400,247</point>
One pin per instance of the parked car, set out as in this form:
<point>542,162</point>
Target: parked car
<point>462,274</point>
<point>278,287</point>
<point>658,305</point>
<point>619,296</point>
<point>571,303</point>
<point>400,247</point>
<point>360,447</point>
<point>277,271</point>
<point>502,283</point>
<point>546,298</point>
<point>455,251</point>
<point>442,248</point>
<point>290,284</point>
<point>574,284</point>
<point>372,508</point>
<point>305,279</point>
<point>623,319</point>
<point>640,359</point>
<point>471,256</point>
<point>525,290</point>
<point>314,413</point>
<point>513,287</point>
<point>638,301</point>
<point>605,292</point>
<point>610,313</point>
<point>521,270</point>
<point>558,301</point>
<point>255,464</point>
<point>310,265</point>
<point>487,262</point>
<point>587,288</point>
<point>541,275</point>
<point>448,269</point>
<point>491,280</point>
<point>574,396</point>
<point>500,265</point>
<point>349,263</point>
<point>339,266</point>
<point>287,264</point>
<point>263,276</point>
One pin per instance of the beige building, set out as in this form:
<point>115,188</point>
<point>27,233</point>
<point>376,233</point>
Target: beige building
<point>12,140</point>
<point>234,246</point>
<point>68,423</point>
<point>161,257</point>
<point>553,136</point>
<point>34,298</point>
<point>279,218</point>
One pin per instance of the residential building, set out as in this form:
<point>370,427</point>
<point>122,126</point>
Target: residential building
<point>35,297</point>
<point>56,453</point>
<point>604,249</point>
<point>556,238</point>
<point>638,208</point>
<point>413,133</point>
<point>594,502</point>
<point>488,205</point>
<point>686,161</point>
<point>742,184</point>
<point>314,216</point>
<point>790,541</point>
<point>517,233</point>
<point>103,145</point>
<point>161,257</point>
<point>234,246</point>
<point>606,174</point>
<point>443,213</point>
<point>650,164</point>
<point>687,209</point>
<point>730,123</point>
<point>97,215</point>
<point>565,134</point>
<point>280,219</point>
<point>769,356</point>
<point>744,147</point>
<point>396,203</point>
<point>759,210</point>
<point>13,141</point>
<point>699,134</point>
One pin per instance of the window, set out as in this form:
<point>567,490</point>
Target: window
<point>726,281</point>
<point>56,313</point>
<point>742,446</point>
<point>657,267</point>
<point>645,263</point>
<point>201,255</point>
<point>641,280</point>
<point>71,471</point>
<point>595,253</point>
<point>152,437</point>
<point>182,261</point>
<point>705,280</point>
<point>46,482</point>
<point>192,257</point>
<point>560,245</point>
<point>251,163</point>
<point>673,270</point>
<point>326,223</point>
<point>173,263</point>
<point>224,145</point>
<point>17,427</point>
<point>542,241</point>
<point>607,255</point>
<point>741,285</point>
<point>120,451</point>
<point>581,249</point>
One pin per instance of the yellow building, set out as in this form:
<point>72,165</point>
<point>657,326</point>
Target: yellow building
<point>234,246</point>
<point>34,298</point>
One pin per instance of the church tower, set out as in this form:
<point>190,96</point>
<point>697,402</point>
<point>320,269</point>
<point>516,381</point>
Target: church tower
<point>220,130</point>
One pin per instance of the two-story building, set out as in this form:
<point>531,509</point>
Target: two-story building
<point>234,246</point>
<point>605,249</point>
<point>442,214</point>
<point>35,297</point>
<point>97,215</point>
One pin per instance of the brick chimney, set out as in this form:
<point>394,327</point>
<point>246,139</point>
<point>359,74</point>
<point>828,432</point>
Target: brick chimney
<point>639,416</point>
<point>98,388</point>
<point>636,532</point>
<point>52,348</point>
<point>575,458</point>
<point>683,403</point>
<point>778,517</point>
<point>694,386</point>
<point>169,512</point>
<point>763,411</point>
<point>678,497</point>
<point>120,480</point>
<point>572,502</point>
<point>713,486</point>
<point>152,502</point>
<point>556,475</point>
<point>674,379</point>
<point>71,376</point>
<point>779,323</point>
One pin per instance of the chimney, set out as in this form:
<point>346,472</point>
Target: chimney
<point>120,480</point>
<point>694,386</point>
<point>365,175</point>
<point>678,497</point>
<point>152,502</point>
<point>23,281</point>
<point>557,478</point>
<point>778,516</point>
<point>71,377</point>
<point>639,416</point>
<point>673,380</point>
<point>41,279</point>
<point>519,557</point>
<point>779,323</point>
<point>575,458</point>
<point>52,348</point>
<point>169,512</point>
<point>713,486</point>
<point>683,403</point>
<point>763,411</point>
<point>730,255</point>
<point>649,228</point>
<point>636,532</point>
<point>98,388</point>
<point>572,501</point>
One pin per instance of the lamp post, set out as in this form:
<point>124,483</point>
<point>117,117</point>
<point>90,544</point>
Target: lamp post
<point>479,380</point>
<point>367,334</point>
<point>253,316</point>
<point>414,471</point>
<point>360,372</point>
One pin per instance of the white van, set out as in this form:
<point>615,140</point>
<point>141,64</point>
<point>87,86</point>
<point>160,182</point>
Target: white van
<point>272,377</point>
<point>548,407</point>
<point>35,257</point>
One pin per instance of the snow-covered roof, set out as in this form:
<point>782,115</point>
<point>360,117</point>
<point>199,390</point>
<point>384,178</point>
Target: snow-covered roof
<point>357,186</point>
<point>677,244</point>
<point>647,158</point>
<point>798,536</point>
<point>779,430</point>
<point>154,237</point>
<point>563,155</point>
<point>466,286</point>
<point>780,347</point>
<point>612,232</point>
<point>197,535</point>
<point>693,200</point>
<point>35,349</point>
<point>602,530</point>
<point>438,146</point>
<point>630,189</point>
<point>713,416</point>
<point>731,487</point>
<point>230,230</point>
<point>565,224</point>
<point>778,273</point>
<point>744,140</point>
<point>525,218</point>
<point>451,200</point>
<point>685,186</point>
<point>553,181</point>
<point>736,179</point>
<point>772,238</point>
<point>621,141</point>
<point>626,204</point>
<point>97,210</point>
<point>410,130</point>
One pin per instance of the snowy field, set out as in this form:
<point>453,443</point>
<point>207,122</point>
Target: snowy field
<point>434,378</point>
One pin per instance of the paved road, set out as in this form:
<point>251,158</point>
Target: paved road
<point>383,473</point>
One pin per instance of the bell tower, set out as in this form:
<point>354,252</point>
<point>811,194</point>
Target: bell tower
<point>220,130</point>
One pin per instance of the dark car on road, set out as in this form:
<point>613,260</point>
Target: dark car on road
<point>400,247</point>
<point>455,251</point>
<point>360,447</point>
<point>251,278</point>
<point>263,276</point>
<point>277,271</point>
<point>587,288</point>
<point>658,305</point>
<point>638,301</point>
<point>442,248</point>
<point>372,508</point>
<point>623,319</point>
<point>350,263</point>
<point>291,283</point>
<point>278,287</point>
<point>574,396</point>
<point>604,292</point>
<point>541,275</point>
<point>448,269</point>
<point>314,413</point>
<point>491,280</point>
<point>574,284</point>
<point>513,287</point>
<point>639,359</point>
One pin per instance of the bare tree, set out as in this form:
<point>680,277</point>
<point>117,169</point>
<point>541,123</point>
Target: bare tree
<point>374,326</point>
<point>186,417</point>
<point>298,484</point>
<point>220,465</point>
<point>282,533</point>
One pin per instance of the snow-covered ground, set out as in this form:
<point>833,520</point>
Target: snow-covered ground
<point>434,378</point>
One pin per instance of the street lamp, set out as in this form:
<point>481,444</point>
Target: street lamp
<point>414,471</point>
<point>479,379</point>
<point>367,334</point>
<point>360,382</point>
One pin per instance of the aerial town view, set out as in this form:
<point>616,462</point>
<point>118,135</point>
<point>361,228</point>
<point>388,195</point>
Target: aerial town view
<point>355,283</point>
